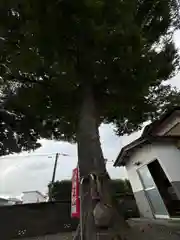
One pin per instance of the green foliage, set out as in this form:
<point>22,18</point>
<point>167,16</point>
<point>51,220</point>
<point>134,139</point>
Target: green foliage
<point>61,190</point>
<point>122,49</point>
<point>16,134</point>
<point>13,136</point>
<point>120,186</point>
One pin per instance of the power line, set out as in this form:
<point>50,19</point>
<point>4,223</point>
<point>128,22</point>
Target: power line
<point>35,155</point>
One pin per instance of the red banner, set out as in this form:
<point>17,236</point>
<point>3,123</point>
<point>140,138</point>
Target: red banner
<point>75,201</point>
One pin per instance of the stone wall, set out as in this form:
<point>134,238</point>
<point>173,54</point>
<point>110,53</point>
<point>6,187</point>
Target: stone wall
<point>33,220</point>
<point>29,221</point>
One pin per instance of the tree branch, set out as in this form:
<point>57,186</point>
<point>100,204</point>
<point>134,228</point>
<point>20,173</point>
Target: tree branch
<point>23,79</point>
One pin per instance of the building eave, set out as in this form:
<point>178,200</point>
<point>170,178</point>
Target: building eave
<point>146,137</point>
<point>149,129</point>
<point>126,151</point>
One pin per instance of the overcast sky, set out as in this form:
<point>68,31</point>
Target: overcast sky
<point>20,173</point>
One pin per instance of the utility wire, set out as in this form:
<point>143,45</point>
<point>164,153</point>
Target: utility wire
<point>34,155</point>
<point>43,155</point>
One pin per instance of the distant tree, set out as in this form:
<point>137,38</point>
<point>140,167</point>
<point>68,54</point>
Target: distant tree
<point>121,186</point>
<point>61,190</point>
<point>128,186</point>
<point>76,64</point>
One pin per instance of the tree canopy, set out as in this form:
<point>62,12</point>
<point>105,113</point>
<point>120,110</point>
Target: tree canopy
<point>71,65</point>
<point>15,135</point>
<point>49,50</point>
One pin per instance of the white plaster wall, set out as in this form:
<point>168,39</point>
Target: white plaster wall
<point>168,156</point>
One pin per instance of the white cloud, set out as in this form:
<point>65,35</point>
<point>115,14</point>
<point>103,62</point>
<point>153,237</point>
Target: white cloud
<point>177,39</point>
<point>20,173</point>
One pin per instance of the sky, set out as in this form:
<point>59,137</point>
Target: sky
<point>33,171</point>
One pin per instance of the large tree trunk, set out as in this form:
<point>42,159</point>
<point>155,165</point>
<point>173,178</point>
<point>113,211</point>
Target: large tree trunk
<point>91,160</point>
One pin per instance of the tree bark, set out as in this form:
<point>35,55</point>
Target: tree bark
<point>89,148</point>
<point>91,160</point>
<point>89,154</point>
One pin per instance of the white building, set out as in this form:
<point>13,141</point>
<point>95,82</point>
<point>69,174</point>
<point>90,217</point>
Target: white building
<point>14,201</point>
<point>153,165</point>
<point>33,197</point>
<point>7,201</point>
<point>4,202</point>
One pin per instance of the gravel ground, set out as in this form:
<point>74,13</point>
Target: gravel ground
<point>144,230</point>
<point>141,230</point>
<point>60,236</point>
<point>152,231</point>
